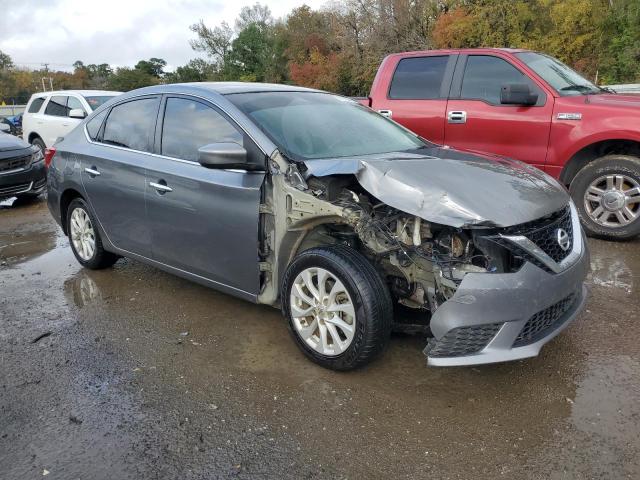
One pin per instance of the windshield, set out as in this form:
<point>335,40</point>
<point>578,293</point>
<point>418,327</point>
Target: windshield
<point>308,125</point>
<point>562,78</point>
<point>95,102</point>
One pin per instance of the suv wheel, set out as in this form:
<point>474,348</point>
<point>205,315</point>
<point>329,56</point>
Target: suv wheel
<point>84,237</point>
<point>39,143</point>
<point>607,195</point>
<point>338,307</point>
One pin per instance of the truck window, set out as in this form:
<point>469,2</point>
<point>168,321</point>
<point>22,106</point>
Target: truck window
<point>36,104</point>
<point>484,76</point>
<point>418,78</point>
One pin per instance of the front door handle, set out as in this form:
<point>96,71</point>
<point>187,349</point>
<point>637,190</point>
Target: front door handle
<point>161,187</point>
<point>93,172</point>
<point>457,116</point>
<point>385,113</point>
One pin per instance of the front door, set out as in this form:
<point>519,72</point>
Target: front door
<point>203,221</point>
<point>477,121</point>
<point>113,172</point>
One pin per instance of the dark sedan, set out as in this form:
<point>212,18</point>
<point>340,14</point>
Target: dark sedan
<point>22,171</point>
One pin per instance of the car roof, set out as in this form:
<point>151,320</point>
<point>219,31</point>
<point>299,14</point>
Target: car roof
<point>87,93</point>
<point>224,88</point>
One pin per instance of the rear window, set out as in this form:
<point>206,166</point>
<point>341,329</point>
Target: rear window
<point>97,101</point>
<point>418,78</point>
<point>36,105</point>
<point>57,106</point>
<point>93,125</point>
<point>131,124</point>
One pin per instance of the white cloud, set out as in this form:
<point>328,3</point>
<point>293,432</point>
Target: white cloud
<point>118,32</point>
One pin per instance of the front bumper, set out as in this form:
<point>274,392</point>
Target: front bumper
<point>30,181</point>
<point>502,317</point>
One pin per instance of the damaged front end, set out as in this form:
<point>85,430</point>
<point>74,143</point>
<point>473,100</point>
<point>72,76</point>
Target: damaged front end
<point>473,268</point>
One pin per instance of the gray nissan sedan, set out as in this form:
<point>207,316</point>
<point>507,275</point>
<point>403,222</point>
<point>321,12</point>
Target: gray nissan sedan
<point>312,203</point>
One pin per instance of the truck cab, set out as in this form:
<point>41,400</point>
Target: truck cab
<point>527,106</point>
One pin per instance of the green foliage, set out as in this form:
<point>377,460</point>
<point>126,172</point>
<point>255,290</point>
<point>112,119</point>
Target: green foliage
<point>125,79</point>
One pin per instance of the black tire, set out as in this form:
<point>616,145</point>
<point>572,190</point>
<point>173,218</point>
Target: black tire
<point>370,297</point>
<point>38,142</point>
<point>100,258</point>
<point>610,164</point>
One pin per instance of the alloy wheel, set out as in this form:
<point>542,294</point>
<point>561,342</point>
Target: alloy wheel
<point>82,234</point>
<point>322,311</point>
<point>613,200</point>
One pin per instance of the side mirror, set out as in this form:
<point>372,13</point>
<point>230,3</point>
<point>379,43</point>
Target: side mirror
<point>517,94</point>
<point>77,113</point>
<point>5,128</point>
<point>223,155</point>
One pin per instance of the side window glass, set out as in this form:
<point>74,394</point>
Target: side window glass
<point>484,76</point>
<point>131,124</point>
<point>189,125</point>
<point>73,103</point>
<point>418,78</point>
<point>57,106</point>
<point>35,105</point>
<point>93,125</point>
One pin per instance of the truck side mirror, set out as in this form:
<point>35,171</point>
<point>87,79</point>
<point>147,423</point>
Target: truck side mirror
<point>517,94</point>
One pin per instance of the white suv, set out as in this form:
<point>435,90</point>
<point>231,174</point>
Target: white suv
<point>50,115</point>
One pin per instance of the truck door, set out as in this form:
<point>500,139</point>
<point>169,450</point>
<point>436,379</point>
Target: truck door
<point>417,95</point>
<point>476,120</point>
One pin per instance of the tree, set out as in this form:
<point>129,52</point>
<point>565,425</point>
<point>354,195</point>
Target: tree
<point>125,79</point>
<point>254,15</point>
<point>197,70</point>
<point>153,66</point>
<point>215,42</point>
<point>5,61</point>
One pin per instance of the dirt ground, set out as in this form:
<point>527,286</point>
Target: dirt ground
<point>133,373</point>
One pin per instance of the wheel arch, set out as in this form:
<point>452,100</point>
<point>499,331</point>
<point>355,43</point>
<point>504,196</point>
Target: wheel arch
<point>65,200</point>
<point>33,136</point>
<point>594,151</point>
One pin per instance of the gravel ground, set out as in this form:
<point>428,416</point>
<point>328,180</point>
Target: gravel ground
<point>133,373</point>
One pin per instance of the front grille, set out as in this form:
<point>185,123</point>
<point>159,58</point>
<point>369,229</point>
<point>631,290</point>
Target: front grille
<point>544,322</point>
<point>463,341</point>
<point>546,236</point>
<point>14,163</point>
<point>544,233</point>
<point>24,187</point>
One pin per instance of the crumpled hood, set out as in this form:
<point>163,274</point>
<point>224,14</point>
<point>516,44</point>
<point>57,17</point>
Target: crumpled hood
<point>452,187</point>
<point>10,142</point>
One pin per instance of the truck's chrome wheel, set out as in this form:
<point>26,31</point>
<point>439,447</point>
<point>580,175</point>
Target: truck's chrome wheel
<point>82,235</point>
<point>322,311</point>
<point>613,200</point>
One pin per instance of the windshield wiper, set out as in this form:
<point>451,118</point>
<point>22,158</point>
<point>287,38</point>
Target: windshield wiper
<point>578,88</point>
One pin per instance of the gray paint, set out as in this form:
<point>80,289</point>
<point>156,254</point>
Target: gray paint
<point>451,187</point>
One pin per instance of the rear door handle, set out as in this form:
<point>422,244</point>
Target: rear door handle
<point>161,186</point>
<point>457,116</point>
<point>385,113</point>
<point>92,172</point>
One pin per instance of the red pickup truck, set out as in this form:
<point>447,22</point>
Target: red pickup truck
<point>528,106</point>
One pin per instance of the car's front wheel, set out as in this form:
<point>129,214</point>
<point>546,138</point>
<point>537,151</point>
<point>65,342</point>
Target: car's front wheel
<point>38,142</point>
<point>338,307</point>
<point>85,239</point>
<point>607,196</point>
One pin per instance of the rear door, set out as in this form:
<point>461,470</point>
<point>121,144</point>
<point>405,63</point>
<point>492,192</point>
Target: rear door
<point>203,221</point>
<point>417,94</point>
<point>54,121</point>
<point>113,171</point>
<point>477,121</point>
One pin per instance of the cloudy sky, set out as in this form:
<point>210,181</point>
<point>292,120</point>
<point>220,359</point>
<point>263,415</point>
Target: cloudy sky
<point>118,32</point>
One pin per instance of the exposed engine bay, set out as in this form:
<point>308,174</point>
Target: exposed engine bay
<point>422,262</point>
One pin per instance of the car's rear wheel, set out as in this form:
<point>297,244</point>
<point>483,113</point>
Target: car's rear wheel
<point>85,239</point>
<point>338,307</point>
<point>38,142</point>
<point>607,196</point>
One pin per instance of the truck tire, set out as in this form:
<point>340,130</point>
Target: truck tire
<point>38,142</point>
<point>607,196</point>
<point>84,237</point>
<point>338,307</point>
